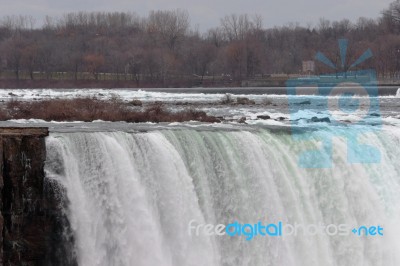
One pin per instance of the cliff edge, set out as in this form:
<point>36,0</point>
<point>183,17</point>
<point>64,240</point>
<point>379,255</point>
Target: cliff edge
<point>29,215</point>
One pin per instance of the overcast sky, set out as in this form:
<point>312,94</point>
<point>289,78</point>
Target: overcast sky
<point>207,13</point>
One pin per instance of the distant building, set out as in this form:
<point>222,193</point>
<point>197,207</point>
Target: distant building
<point>308,67</point>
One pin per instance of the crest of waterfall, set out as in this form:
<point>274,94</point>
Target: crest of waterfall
<point>131,196</point>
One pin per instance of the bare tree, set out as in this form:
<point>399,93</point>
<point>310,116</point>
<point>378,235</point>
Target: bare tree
<point>171,26</point>
<point>162,46</point>
<point>236,27</point>
<point>215,36</point>
<point>14,47</point>
<point>29,58</point>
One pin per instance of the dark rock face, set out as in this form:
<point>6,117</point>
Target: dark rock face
<point>31,217</point>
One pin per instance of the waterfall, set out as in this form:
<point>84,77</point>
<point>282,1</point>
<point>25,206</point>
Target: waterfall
<point>131,197</point>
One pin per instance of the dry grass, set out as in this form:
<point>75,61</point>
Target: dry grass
<point>89,109</point>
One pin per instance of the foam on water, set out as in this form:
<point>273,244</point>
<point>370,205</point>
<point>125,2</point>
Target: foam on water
<point>143,95</point>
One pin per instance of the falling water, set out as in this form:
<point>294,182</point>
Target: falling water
<point>131,197</point>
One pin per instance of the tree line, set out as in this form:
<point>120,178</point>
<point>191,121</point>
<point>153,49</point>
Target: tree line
<point>163,47</point>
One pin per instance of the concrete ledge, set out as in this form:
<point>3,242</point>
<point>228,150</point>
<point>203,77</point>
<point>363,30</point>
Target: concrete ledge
<point>24,131</point>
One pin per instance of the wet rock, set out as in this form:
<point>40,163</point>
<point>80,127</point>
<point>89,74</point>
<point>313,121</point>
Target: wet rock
<point>375,115</point>
<point>281,118</point>
<point>182,103</point>
<point>244,100</point>
<point>323,119</point>
<point>136,102</point>
<point>242,120</point>
<point>304,102</point>
<point>264,117</point>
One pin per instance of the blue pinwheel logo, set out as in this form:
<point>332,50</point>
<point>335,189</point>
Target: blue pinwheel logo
<point>349,93</point>
<point>343,45</point>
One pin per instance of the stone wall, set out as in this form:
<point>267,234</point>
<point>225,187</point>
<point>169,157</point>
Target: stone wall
<point>30,215</point>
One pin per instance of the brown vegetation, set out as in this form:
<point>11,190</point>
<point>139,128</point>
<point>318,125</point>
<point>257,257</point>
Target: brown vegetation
<point>90,109</point>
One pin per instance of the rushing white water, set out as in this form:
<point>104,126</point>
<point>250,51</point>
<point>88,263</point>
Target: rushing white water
<point>132,196</point>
